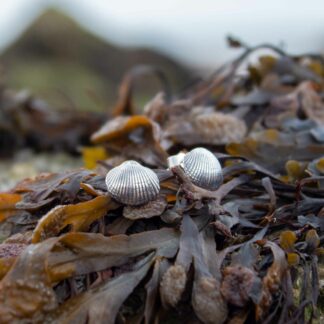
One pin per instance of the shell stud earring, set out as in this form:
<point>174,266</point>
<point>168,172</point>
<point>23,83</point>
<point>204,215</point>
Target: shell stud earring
<point>132,184</point>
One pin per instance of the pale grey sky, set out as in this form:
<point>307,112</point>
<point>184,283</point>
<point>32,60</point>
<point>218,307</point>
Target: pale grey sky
<point>192,31</point>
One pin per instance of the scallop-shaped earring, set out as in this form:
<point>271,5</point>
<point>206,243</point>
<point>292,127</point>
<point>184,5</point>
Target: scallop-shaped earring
<point>203,168</point>
<point>132,184</point>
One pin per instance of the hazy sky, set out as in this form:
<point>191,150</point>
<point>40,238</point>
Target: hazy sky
<point>190,30</point>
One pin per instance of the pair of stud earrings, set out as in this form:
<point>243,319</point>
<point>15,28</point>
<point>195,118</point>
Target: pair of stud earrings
<point>133,184</point>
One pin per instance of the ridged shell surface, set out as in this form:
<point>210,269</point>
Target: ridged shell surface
<point>132,184</point>
<point>203,168</point>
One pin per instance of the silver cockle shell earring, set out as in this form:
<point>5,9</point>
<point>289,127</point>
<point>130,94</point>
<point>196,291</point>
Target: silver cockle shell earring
<point>132,184</point>
<point>201,166</point>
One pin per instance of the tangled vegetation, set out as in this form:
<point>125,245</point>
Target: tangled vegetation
<point>249,252</point>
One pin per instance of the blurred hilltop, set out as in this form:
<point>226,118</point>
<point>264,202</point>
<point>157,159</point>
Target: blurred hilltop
<point>68,66</point>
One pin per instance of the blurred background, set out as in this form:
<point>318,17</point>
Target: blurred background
<point>71,55</point>
<point>75,52</point>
